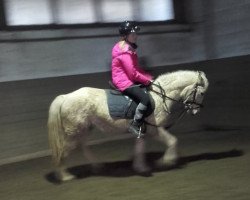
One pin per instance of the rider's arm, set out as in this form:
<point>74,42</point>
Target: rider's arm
<point>131,70</point>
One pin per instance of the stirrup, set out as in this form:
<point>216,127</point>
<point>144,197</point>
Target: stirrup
<point>140,133</point>
<point>133,129</point>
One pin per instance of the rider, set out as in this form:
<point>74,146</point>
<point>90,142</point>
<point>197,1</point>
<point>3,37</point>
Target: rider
<point>126,72</point>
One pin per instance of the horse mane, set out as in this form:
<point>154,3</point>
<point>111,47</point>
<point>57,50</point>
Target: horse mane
<point>181,78</point>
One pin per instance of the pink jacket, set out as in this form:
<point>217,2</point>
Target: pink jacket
<point>125,69</point>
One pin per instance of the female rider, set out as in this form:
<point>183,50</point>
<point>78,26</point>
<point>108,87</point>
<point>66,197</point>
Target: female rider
<point>126,73</point>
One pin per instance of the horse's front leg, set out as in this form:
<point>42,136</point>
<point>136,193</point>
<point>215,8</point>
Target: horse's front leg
<point>139,162</point>
<point>170,155</point>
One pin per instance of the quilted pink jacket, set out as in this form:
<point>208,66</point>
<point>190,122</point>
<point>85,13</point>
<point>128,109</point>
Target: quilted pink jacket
<point>125,69</point>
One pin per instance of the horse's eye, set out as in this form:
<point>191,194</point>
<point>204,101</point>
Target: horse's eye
<point>202,93</point>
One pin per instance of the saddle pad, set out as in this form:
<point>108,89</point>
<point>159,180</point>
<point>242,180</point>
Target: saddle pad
<point>120,106</point>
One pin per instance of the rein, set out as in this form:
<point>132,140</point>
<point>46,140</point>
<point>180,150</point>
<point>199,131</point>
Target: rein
<point>163,95</point>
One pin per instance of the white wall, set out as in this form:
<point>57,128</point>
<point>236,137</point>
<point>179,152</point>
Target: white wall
<point>51,53</point>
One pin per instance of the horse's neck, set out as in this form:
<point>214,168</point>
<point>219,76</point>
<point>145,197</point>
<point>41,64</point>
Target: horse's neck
<point>175,83</point>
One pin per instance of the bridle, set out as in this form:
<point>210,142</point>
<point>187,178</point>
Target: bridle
<point>188,104</point>
<point>193,104</point>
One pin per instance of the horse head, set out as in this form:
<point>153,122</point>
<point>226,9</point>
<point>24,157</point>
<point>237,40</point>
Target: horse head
<point>190,86</point>
<point>193,95</point>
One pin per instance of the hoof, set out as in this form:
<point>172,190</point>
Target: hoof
<point>166,163</point>
<point>63,177</point>
<point>68,177</point>
<point>142,170</point>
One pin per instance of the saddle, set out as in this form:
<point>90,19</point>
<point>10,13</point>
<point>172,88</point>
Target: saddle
<point>121,106</point>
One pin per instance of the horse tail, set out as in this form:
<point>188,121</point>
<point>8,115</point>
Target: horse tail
<point>55,130</point>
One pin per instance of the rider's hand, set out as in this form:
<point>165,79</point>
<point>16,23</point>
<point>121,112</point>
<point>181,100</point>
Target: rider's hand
<point>150,84</point>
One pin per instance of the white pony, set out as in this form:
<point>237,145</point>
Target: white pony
<point>72,115</point>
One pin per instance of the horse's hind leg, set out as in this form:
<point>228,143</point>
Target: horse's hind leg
<point>88,154</point>
<point>61,172</point>
<point>170,155</point>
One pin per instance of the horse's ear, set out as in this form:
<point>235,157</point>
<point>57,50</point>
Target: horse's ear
<point>202,82</point>
<point>201,77</point>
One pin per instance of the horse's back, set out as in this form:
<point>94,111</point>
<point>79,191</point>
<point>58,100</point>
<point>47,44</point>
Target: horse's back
<point>83,97</point>
<point>83,103</point>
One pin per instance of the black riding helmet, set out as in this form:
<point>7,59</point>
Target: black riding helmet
<point>127,27</point>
